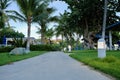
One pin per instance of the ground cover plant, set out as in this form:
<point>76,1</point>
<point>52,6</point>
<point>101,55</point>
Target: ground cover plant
<point>5,58</point>
<point>109,65</point>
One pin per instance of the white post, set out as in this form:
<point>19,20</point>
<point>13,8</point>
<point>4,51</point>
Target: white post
<point>110,40</point>
<point>101,48</point>
<point>69,48</point>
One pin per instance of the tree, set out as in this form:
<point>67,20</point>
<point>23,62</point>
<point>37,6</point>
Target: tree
<point>44,19</point>
<point>64,29</point>
<point>87,16</point>
<point>10,33</point>
<point>49,34</point>
<point>5,14</point>
<point>30,10</point>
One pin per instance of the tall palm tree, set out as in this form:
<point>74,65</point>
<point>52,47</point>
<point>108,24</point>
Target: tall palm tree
<point>44,19</point>
<point>30,9</point>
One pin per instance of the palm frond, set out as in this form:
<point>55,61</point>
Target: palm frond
<point>4,4</point>
<point>18,16</point>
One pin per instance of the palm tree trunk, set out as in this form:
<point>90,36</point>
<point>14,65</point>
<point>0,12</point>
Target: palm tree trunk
<point>28,35</point>
<point>42,33</point>
<point>42,38</point>
<point>62,45</point>
<point>49,41</point>
<point>62,38</point>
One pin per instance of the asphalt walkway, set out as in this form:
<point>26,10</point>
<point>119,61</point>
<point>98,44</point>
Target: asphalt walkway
<point>50,66</point>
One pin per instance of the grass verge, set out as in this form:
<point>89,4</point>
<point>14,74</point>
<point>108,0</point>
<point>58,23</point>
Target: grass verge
<point>8,59</point>
<point>109,65</point>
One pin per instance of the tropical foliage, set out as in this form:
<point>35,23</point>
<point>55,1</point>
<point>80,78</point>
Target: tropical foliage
<point>5,15</point>
<point>44,20</point>
<point>9,33</point>
<point>86,18</point>
<point>64,29</point>
<point>49,34</point>
<point>30,11</point>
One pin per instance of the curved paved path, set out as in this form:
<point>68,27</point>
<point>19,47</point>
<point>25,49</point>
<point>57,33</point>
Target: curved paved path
<point>49,66</point>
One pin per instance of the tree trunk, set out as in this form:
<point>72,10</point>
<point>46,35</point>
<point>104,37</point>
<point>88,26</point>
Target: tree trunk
<point>43,34</point>
<point>88,37</point>
<point>42,37</point>
<point>28,35</point>
<point>62,40</point>
<point>90,40</point>
<point>86,42</point>
<point>86,29</point>
<point>49,41</point>
<point>77,41</point>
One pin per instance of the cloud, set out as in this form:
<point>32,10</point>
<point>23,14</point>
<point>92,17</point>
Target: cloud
<point>60,7</point>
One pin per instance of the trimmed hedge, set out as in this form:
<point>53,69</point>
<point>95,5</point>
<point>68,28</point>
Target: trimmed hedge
<point>44,48</point>
<point>33,48</point>
<point>6,49</point>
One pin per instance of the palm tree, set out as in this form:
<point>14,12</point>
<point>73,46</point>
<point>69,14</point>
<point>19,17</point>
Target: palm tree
<point>30,10</point>
<point>64,28</point>
<point>5,14</point>
<point>44,19</point>
<point>49,34</point>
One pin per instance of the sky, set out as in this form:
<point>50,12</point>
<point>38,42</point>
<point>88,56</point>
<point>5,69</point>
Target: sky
<point>22,27</point>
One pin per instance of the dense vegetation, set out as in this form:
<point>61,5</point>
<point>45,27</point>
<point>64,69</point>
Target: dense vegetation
<point>6,49</point>
<point>45,48</point>
<point>109,65</point>
<point>85,18</point>
<point>32,48</point>
<point>9,33</point>
<point>31,11</point>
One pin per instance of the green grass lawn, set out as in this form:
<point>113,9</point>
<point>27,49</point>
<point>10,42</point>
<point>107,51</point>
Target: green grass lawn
<point>109,65</point>
<point>8,59</point>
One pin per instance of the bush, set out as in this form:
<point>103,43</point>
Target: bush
<point>18,42</point>
<point>6,49</point>
<point>44,48</point>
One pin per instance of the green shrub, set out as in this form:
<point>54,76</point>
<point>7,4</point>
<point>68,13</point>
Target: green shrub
<point>44,48</point>
<point>18,42</point>
<point>6,49</point>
